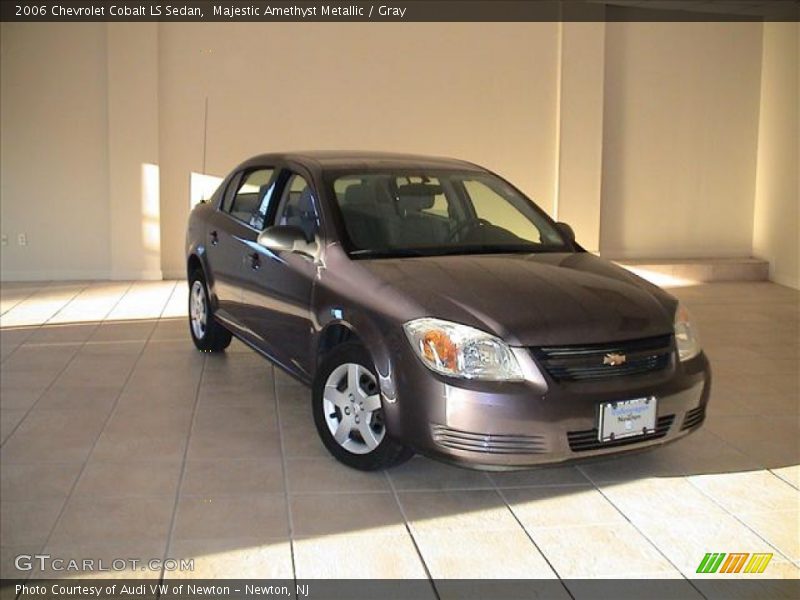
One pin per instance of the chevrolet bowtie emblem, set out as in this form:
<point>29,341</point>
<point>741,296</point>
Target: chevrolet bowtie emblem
<point>614,359</point>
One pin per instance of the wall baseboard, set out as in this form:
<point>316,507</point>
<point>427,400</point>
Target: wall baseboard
<point>677,272</point>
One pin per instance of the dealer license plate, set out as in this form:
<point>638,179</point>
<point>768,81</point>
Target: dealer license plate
<point>627,418</point>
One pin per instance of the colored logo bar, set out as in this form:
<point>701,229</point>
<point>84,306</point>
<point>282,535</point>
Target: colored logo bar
<point>734,562</point>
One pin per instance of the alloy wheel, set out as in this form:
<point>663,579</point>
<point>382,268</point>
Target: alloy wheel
<point>352,408</point>
<point>198,311</point>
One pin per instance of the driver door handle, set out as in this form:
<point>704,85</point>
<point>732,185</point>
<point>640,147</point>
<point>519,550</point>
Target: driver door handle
<point>255,261</point>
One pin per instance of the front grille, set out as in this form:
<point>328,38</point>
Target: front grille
<point>489,443</point>
<point>588,362</point>
<point>694,417</point>
<point>581,441</point>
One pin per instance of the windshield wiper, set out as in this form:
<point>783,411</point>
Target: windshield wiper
<point>386,253</point>
<point>503,249</point>
<point>456,250</point>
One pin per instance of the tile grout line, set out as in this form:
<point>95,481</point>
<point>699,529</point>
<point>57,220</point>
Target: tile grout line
<point>285,471</point>
<point>80,285</point>
<point>172,293</point>
<point>77,343</point>
<point>20,301</point>
<point>81,346</point>
<point>411,533</point>
<point>789,483</point>
<point>192,421</point>
<point>761,468</point>
<point>71,300</point>
<point>181,476</point>
<point>639,531</point>
<point>139,283</point>
<point>727,443</point>
<point>38,326</point>
<point>735,516</point>
<point>529,535</point>
<point>94,444</point>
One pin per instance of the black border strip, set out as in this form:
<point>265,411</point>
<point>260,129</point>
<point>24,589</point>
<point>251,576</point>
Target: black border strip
<point>718,586</point>
<point>404,11</point>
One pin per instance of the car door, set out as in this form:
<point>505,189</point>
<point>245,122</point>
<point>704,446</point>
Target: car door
<point>278,286</point>
<point>236,223</point>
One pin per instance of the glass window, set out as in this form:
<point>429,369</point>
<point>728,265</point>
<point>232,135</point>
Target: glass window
<point>298,207</point>
<point>445,212</point>
<point>251,200</point>
<point>439,206</point>
<point>230,192</point>
<point>491,207</point>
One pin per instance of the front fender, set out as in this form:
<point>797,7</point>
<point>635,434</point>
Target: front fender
<point>372,334</point>
<point>382,341</point>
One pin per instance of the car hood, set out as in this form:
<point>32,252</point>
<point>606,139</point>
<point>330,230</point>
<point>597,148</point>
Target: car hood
<point>530,299</point>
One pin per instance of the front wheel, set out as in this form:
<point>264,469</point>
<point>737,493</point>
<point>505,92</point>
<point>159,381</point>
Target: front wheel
<point>348,411</point>
<point>207,334</point>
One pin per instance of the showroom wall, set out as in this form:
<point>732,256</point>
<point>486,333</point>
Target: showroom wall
<point>680,138</point>
<point>53,151</point>
<point>652,139</point>
<point>133,145</point>
<point>777,210</point>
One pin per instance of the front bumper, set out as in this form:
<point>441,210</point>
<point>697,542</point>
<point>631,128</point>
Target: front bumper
<point>506,425</point>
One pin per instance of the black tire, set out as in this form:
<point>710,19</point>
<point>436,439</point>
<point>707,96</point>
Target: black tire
<point>389,452</point>
<point>214,338</point>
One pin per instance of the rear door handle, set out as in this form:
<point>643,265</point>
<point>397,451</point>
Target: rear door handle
<point>255,261</point>
<point>214,238</point>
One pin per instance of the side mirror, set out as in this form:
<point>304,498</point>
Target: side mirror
<point>287,238</point>
<point>566,231</point>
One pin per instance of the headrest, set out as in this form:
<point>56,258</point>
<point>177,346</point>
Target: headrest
<point>419,189</point>
<point>358,193</point>
<point>417,196</point>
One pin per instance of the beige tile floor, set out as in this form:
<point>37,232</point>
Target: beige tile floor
<point>119,440</point>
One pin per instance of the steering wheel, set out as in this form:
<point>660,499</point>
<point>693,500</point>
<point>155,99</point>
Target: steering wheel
<point>467,226</point>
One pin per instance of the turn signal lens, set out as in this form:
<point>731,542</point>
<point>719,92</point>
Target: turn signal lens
<point>686,337</point>
<point>461,351</point>
<point>438,348</point>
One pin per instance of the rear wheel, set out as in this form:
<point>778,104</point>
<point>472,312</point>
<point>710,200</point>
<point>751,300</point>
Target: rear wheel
<point>348,411</point>
<point>207,334</point>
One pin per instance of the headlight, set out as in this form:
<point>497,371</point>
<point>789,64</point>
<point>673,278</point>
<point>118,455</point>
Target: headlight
<point>461,351</point>
<point>685,335</point>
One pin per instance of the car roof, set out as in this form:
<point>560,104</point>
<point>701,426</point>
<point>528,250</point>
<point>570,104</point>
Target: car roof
<point>336,160</point>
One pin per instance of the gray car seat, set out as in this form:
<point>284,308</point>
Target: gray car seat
<point>366,228</point>
<point>301,212</point>
<point>415,227</point>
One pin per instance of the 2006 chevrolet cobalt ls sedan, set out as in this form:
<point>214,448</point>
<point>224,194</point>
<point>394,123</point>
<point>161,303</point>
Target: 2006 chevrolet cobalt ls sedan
<point>432,307</point>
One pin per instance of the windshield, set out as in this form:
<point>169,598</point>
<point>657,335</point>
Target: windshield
<point>391,214</point>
